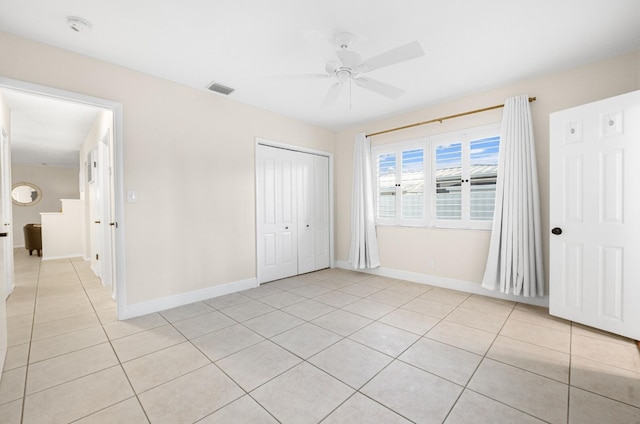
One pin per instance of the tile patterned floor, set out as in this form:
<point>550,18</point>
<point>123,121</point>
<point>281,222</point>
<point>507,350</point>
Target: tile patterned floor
<point>332,346</point>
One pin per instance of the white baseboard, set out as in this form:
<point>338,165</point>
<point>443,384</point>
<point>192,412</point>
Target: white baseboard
<point>50,258</point>
<point>156,305</point>
<point>447,283</point>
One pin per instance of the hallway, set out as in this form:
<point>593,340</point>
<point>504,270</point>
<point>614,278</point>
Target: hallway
<point>58,306</point>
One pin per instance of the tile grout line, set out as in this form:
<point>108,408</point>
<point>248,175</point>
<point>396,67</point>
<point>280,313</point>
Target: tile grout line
<point>33,319</point>
<point>569,376</point>
<point>484,356</point>
<point>334,290</point>
<point>357,390</point>
<point>114,352</point>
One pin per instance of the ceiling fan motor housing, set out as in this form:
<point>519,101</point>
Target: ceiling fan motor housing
<point>344,39</point>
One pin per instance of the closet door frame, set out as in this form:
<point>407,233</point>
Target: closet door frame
<point>276,144</point>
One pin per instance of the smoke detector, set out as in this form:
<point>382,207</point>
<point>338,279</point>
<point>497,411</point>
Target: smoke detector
<point>78,24</point>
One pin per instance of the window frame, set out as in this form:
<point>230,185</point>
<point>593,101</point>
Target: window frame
<point>397,149</point>
<point>428,145</point>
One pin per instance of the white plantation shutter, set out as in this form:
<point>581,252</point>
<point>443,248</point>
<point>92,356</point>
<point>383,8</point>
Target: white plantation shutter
<point>448,177</point>
<point>399,177</point>
<point>483,174</point>
<point>447,181</point>
<point>386,165</point>
<point>412,184</point>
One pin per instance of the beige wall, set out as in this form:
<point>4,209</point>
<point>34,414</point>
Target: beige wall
<point>55,183</point>
<point>461,254</point>
<point>190,156</point>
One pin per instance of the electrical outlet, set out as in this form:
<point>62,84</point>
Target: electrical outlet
<point>430,263</point>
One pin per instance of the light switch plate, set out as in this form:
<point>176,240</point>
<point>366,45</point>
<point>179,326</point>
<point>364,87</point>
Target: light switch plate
<point>132,196</point>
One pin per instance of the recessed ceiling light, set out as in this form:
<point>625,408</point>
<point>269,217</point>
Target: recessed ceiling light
<point>78,24</point>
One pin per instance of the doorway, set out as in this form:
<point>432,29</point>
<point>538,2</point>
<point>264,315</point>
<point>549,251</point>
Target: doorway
<point>111,154</point>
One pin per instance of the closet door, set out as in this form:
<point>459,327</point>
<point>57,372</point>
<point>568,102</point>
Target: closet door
<point>277,233</point>
<point>321,222</point>
<point>306,212</point>
<point>292,212</point>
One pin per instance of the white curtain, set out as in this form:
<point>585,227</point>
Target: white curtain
<point>364,244</point>
<point>514,264</point>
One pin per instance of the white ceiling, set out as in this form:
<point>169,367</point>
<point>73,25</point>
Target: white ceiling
<point>47,131</point>
<point>470,45</point>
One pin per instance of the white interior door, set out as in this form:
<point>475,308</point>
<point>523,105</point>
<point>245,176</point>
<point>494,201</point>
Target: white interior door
<point>104,181</point>
<point>595,215</point>
<point>3,265</point>
<point>7,214</point>
<point>305,211</point>
<point>95,213</point>
<point>277,232</point>
<point>321,214</point>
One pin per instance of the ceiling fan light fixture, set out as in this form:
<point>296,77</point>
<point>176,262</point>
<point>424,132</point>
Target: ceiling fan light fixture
<point>344,39</point>
<point>343,74</point>
<point>78,24</point>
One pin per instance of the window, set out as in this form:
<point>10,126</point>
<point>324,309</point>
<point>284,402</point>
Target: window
<point>400,177</point>
<point>458,170</point>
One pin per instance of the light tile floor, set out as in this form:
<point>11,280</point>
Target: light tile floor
<point>332,346</point>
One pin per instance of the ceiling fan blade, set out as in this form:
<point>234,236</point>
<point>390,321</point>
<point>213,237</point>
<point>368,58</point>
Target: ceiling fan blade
<point>379,87</point>
<point>331,66</point>
<point>349,58</point>
<point>332,94</point>
<point>391,57</point>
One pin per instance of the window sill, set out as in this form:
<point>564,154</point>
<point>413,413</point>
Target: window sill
<point>436,227</point>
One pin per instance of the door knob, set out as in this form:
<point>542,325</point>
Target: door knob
<point>557,231</point>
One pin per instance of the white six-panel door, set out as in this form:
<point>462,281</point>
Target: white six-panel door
<point>6,223</point>
<point>595,215</point>
<point>321,220</point>
<point>277,234</point>
<point>3,265</point>
<point>292,212</point>
<point>305,211</point>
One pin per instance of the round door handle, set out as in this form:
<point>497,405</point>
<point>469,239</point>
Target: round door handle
<point>557,231</point>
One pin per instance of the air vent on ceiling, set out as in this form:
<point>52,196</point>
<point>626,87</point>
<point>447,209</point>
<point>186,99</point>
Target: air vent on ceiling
<point>219,88</point>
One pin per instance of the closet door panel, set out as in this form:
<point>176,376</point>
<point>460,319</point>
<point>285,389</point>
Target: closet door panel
<point>306,210</point>
<point>277,233</point>
<point>321,221</point>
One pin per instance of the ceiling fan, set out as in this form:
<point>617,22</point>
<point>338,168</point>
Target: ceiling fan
<point>349,67</point>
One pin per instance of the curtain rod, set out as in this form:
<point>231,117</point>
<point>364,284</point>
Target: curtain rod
<point>431,121</point>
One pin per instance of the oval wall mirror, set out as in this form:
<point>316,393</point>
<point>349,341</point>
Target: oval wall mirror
<point>25,194</point>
